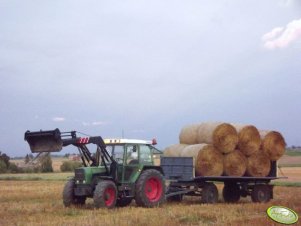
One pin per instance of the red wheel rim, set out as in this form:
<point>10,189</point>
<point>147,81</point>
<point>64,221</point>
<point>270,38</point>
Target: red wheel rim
<point>153,189</point>
<point>109,196</point>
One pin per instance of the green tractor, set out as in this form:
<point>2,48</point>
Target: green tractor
<point>119,171</point>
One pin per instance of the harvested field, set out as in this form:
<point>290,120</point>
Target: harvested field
<point>39,203</point>
<point>293,174</point>
<point>287,160</point>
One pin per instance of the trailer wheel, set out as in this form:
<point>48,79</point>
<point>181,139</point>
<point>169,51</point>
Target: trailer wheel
<point>261,193</point>
<point>105,194</point>
<point>122,202</point>
<point>150,189</point>
<point>68,195</point>
<point>231,192</point>
<point>209,193</point>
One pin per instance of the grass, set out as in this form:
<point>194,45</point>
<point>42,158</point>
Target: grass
<point>287,184</point>
<point>293,153</point>
<point>36,176</point>
<point>40,203</point>
<point>290,165</point>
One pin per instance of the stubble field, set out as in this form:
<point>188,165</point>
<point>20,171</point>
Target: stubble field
<point>40,203</point>
<point>36,199</point>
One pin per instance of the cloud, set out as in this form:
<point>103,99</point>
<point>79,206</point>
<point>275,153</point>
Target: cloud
<point>272,34</point>
<point>95,123</point>
<point>99,123</point>
<point>58,119</point>
<point>282,37</point>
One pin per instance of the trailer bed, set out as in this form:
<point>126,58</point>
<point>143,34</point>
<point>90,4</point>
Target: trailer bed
<point>179,172</point>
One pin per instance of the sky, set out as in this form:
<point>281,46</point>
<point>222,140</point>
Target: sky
<point>144,69</point>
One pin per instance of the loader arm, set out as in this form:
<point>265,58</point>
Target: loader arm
<point>54,141</point>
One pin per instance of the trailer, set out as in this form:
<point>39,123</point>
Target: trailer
<point>179,173</point>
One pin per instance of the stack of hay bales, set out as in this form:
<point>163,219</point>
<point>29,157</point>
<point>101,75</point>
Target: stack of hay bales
<point>228,149</point>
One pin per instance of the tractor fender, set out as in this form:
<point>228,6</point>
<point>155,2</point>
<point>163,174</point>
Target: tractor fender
<point>159,168</point>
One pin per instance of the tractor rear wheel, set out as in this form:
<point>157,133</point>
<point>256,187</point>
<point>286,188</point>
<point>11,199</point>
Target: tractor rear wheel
<point>68,195</point>
<point>231,192</point>
<point>209,193</point>
<point>105,194</point>
<point>261,193</point>
<point>150,188</point>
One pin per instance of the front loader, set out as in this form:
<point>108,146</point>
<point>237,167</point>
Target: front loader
<point>119,171</point>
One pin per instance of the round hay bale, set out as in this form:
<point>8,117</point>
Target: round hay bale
<point>248,139</point>
<point>174,150</point>
<point>235,164</point>
<point>188,134</point>
<point>273,144</point>
<point>192,150</point>
<point>209,162</point>
<point>222,135</point>
<point>258,165</point>
<point>205,132</point>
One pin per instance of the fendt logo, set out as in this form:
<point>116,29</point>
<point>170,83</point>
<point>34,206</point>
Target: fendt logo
<point>282,214</point>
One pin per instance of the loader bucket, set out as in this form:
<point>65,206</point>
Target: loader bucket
<point>44,141</point>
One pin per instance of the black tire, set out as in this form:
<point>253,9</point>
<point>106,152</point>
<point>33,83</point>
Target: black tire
<point>231,193</point>
<point>209,193</point>
<point>261,193</point>
<point>68,195</point>
<point>105,195</point>
<point>150,189</point>
<point>122,202</point>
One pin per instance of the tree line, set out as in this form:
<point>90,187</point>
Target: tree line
<point>43,165</point>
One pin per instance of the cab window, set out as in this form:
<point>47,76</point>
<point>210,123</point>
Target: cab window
<point>145,154</point>
<point>132,154</point>
<point>118,152</point>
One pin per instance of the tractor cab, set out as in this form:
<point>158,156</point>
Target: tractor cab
<point>131,157</point>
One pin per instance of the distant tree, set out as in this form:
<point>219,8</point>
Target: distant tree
<point>70,166</point>
<point>13,168</point>
<point>5,158</point>
<point>27,159</point>
<point>3,167</point>
<point>46,163</point>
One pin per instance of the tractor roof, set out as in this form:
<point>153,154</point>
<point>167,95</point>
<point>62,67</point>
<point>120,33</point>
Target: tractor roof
<point>128,141</point>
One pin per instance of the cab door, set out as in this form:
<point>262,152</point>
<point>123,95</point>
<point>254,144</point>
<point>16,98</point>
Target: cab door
<point>131,161</point>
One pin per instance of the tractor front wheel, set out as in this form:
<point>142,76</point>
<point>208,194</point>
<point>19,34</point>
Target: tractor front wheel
<point>68,195</point>
<point>105,194</point>
<point>150,189</point>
